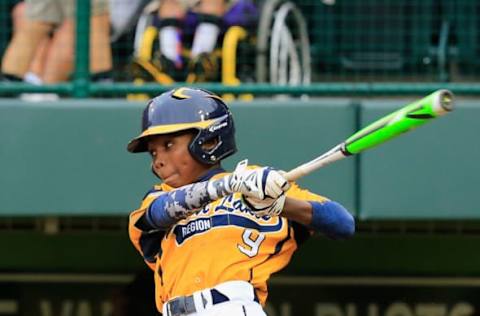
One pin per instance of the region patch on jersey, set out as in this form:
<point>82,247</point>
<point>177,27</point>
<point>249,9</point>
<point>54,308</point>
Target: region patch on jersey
<point>200,225</point>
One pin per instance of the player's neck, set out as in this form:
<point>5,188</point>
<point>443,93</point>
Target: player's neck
<point>210,172</point>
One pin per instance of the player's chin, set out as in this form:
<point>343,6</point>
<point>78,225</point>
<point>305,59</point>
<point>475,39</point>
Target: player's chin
<point>174,181</point>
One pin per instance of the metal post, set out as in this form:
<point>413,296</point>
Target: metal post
<point>82,50</point>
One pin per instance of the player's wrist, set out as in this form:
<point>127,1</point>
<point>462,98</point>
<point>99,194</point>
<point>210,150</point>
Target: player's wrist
<point>219,188</point>
<point>266,207</point>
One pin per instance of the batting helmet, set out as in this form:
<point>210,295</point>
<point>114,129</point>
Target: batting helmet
<point>189,108</point>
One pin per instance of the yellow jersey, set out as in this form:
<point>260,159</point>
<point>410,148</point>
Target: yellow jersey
<point>224,241</point>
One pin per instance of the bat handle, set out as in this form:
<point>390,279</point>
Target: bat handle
<point>295,173</point>
<point>336,153</point>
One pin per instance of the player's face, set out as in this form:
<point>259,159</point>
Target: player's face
<point>172,161</point>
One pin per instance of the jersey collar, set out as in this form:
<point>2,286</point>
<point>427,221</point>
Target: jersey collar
<point>210,174</point>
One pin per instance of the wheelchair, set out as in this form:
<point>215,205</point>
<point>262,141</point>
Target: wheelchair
<point>262,42</point>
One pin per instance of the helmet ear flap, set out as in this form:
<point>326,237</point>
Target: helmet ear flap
<point>224,131</point>
<point>212,145</point>
<point>203,153</point>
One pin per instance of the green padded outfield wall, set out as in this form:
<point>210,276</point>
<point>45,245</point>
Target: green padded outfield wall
<point>69,157</point>
<point>431,173</point>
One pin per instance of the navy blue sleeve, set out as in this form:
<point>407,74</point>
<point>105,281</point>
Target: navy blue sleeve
<point>332,219</point>
<point>157,215</point>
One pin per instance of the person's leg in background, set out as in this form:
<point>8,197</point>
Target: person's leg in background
<point>52,60</point>
<point>27,38</point>
<point>35,71</point>
<point>61,55</point>
<point>100,49</point>
<point>59,63</point>
<point>206,33</point>
<point>171,14</point>
<point>203,64</point>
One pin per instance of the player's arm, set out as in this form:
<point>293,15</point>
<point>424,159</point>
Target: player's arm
<point>327,217</point>
<point>145,239</point>
<point>311,210</point>
<point>170,207</point>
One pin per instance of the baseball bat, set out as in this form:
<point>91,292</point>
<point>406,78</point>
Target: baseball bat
<point>390,126</point>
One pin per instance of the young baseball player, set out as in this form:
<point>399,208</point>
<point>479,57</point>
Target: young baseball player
<point>213,238</point>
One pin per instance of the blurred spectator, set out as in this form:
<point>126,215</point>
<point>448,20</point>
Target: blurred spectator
<point>58,16</point>
<point>35,73</point>
<point>202,64</point>
<point>124,15</point>
<point>36,67</point>
<point>199,25</point>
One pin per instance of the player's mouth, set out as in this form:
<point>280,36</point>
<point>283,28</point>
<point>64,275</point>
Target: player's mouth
<point>171,179</point>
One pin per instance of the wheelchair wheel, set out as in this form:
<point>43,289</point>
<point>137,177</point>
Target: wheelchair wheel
<point>283,47</point>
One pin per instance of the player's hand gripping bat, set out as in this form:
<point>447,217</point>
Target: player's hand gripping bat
<point>403,120</point>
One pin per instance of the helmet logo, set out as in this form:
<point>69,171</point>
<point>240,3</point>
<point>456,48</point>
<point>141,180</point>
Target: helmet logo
<point>179,93</point>
<point>214,128</point>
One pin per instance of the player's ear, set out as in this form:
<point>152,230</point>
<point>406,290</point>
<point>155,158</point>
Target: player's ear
<point>210,144</point>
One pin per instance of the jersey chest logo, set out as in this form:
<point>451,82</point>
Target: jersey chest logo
<point>227,217</point>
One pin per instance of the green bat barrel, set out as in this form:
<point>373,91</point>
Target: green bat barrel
<point>409,117</point>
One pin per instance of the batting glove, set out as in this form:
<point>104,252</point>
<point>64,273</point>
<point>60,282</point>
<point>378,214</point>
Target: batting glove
<point>267,206</point>
<point>258,183</point>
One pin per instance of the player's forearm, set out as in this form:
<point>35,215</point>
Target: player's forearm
<point>172,206</point>
<point>329,218</point>
<point>299,211</point>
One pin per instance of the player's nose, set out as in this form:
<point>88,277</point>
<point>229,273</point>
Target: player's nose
<point>159,162</point>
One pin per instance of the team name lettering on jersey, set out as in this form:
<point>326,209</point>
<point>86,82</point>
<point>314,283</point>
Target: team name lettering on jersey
<point>230,204</point>
<point>229,212</point>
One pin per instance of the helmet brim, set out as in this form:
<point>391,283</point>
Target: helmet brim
<point>139,143</point>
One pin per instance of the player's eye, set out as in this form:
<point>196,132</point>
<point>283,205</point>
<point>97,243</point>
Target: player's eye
<point>168,144</point>
<point>152,153</point>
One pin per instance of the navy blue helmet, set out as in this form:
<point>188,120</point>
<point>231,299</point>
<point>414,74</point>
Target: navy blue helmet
<point>189,109</point>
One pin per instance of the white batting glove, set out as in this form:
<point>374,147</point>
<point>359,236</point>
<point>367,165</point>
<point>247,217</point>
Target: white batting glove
<point>267,206</point>
<point>258,183</point>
